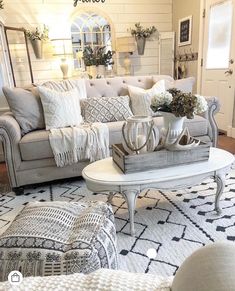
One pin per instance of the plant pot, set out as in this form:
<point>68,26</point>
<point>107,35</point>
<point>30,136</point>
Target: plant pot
<point>101,71</point>
<point>93,71</point>
<point>140,44</point>
<point>37,48</point>
<point>173,123</point>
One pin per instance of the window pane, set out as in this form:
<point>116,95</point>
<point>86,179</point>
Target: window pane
<point>220,28</point>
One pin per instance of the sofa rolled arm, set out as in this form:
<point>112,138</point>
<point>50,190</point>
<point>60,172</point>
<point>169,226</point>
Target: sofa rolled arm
<point>213,108</point>
<point>10,135</point>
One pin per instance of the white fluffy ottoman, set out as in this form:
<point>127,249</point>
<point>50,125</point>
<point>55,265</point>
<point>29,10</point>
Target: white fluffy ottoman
<point>54,238</point>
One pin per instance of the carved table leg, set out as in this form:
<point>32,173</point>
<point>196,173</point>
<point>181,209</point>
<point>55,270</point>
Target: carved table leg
<point>130,197</point>
<point>220,181</point>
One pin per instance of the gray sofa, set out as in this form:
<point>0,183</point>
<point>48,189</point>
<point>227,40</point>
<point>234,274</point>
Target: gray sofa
<point>29,158</point>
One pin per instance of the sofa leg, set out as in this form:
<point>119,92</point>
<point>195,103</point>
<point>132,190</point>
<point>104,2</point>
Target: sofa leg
<point>18,190</point>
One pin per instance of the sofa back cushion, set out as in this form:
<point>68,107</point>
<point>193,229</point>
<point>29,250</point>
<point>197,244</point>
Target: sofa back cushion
<point>26,107</point>
<point>118,86</point>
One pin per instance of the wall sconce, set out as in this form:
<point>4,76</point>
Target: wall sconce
<point>63,48</point>
<point>126,45</point>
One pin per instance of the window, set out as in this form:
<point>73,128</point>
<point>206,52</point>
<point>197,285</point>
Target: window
<point>90,29</point>
<point>220,29</point>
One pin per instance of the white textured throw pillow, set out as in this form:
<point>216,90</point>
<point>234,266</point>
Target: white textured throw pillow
<point>61,109</point>
<point>185,85</point>
<point>141,98</point>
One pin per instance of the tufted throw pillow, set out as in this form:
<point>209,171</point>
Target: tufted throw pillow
<point>141,98</point>
<point>61,109</point>
<point>106,109</point>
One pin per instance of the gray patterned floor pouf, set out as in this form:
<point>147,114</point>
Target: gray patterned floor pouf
<point>54,238</point>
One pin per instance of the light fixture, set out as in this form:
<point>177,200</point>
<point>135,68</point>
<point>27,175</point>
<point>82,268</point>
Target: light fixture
<point>63,48</point>
<point>127,45</point>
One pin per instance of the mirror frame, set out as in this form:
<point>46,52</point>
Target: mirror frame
<point>6,28</point>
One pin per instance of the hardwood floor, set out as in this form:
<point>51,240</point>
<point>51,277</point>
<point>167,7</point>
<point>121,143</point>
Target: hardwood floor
<point>224,142</point>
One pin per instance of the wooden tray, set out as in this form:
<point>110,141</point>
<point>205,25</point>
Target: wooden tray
<point>158,159</point>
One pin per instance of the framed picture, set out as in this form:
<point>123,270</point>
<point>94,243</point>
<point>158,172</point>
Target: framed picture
<point>185,30</point>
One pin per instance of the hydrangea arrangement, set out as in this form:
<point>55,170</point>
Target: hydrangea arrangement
<point>179,103</point>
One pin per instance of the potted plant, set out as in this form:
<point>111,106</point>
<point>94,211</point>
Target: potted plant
<point>90,61</point>
<point>174,106</point>
<point>98,57</point>
<point>37,37</point>
<point>141,34</point>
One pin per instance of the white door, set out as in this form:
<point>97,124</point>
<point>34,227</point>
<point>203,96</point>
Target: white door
<point>218,72</point>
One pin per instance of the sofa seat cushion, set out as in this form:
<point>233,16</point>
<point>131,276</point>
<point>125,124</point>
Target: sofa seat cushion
<point>61,238</point>
<point>35,145</point>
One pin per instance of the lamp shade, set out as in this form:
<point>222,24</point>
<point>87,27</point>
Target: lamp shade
<point>125,44</point>
<point>62,47</point>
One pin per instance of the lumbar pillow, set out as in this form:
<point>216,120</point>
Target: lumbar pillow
<point>141,98</point>
<point>184,85</point>
<point>106,109</point>
<point>26,108</point>
<point>61,109</point>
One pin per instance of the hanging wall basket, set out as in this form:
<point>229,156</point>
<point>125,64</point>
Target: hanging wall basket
<point>37,48</point>
<point>140,45</point>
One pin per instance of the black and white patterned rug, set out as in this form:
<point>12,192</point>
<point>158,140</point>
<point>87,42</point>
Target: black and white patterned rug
<point>175,223</point>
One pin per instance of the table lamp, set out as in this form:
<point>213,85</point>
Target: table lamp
<point>127,45</point>
<point>63,48</point>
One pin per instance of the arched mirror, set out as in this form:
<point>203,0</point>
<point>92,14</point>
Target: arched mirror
<point>90,29</point>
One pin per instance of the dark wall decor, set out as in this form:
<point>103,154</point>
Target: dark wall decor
<point>185,31</point>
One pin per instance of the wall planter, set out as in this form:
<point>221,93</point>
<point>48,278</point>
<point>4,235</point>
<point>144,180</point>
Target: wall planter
<point>37,47</point>
<point>141,41</point>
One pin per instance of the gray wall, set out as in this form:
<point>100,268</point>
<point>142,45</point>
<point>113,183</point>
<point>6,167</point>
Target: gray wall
<point>181,9</point>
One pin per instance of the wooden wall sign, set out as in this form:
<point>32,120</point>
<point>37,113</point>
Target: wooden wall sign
<point>185,31</point>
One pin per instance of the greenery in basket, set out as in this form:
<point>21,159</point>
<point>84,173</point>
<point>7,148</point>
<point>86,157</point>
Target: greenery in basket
<point>1,4</point>
<point>179,103</point>
<point>37,34</point>
<point>140,32</point>
<point>98,56</point>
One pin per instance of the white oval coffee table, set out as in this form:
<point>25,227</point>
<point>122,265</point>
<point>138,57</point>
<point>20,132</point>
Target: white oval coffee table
<point>105,176</point>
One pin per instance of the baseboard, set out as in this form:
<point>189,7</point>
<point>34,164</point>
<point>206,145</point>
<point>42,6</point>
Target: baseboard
<point>231,132</point>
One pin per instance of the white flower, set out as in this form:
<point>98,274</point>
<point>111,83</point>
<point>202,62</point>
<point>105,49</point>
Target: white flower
<point>164,98</point>
<point>201,105</point>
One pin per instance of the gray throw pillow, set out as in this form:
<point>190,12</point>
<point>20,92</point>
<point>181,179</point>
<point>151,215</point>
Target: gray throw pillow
<point>106,109</point>
<point>26,107</point>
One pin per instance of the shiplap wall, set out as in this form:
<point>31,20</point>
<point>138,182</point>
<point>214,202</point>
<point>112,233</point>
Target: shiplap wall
<point>58,14</point>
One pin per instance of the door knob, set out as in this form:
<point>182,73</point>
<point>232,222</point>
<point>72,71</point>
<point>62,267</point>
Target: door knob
<point>229,72</point>
<point>231,61</point>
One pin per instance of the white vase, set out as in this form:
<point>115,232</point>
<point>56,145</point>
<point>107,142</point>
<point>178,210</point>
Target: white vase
<point>101,71</point>
<point>93,71</point>
<point>174,124</point>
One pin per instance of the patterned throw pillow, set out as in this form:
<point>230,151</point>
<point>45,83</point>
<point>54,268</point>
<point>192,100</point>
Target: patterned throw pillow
<point>106,109</point>
<point>141,98</point>
<point>61,109</point>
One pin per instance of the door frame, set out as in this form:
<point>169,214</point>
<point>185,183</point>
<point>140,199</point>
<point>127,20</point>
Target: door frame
<point>230,131</point>
<point>201,45</point>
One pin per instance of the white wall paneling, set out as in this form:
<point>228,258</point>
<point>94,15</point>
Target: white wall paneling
<point>58,15</point>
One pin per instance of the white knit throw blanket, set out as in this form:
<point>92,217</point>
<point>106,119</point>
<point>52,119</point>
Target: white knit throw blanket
<point>73,144</point>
